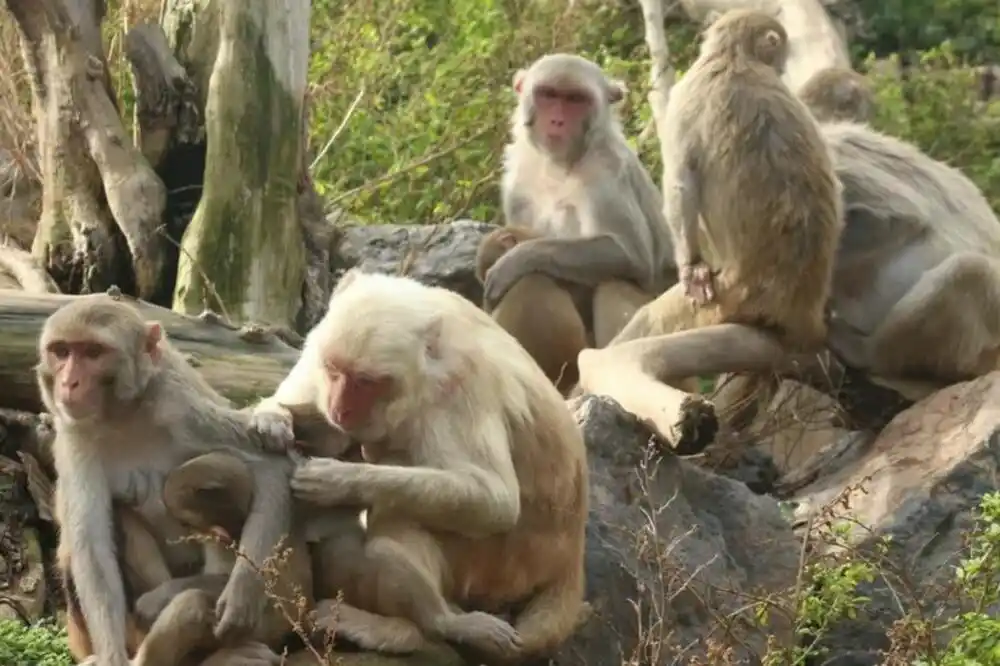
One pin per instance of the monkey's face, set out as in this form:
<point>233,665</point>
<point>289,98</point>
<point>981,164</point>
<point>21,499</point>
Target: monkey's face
<point>79,376</point>
<point>354,400</point>
<point>561,118</point>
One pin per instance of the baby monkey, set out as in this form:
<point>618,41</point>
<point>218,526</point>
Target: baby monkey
<point>536,310</point>
<point>127,410</point>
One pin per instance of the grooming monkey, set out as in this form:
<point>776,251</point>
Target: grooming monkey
<point>570,176</point>
<point>537,311</point>
<point>128,409</point>
<point>838,93</point>
<point>754,204</point>
<point>475,473</point>
<point>915,297</point>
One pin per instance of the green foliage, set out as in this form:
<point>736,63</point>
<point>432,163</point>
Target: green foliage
<point>937,109</point>
<point>893,25</point>
<point>40,644</point>
<point>976,632</point>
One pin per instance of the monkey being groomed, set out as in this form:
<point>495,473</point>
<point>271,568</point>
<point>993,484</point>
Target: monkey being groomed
<point>914,298</point>
<point>127,410</point>
<point>474,473</point>
<point>571,179</point>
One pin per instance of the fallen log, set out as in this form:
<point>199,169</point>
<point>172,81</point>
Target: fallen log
<point>241,363</point>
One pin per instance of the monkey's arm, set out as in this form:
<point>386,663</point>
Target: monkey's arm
<point>681,199</point>
<point>271,418</point>
<point>475,497</point>
<point>85,499</point>
<point>243,602</point>
<point>586,261</point>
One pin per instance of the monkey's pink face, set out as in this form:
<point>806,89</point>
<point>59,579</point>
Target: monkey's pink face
<point>353,397</point>
<point>561,115</point>
<point>82,372</point>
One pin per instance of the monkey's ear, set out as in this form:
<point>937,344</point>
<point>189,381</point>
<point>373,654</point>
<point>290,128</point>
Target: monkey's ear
<point>154,334</point>
<point>616,91</point>
<point>519,76</point>
<point>772,39</point>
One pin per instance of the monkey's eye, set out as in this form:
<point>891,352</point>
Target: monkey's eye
<point>92,350</point>
<point>60,350</point>
<point>577,98</point>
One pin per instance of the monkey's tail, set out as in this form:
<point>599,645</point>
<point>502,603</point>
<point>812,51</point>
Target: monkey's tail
<point>553,615</point>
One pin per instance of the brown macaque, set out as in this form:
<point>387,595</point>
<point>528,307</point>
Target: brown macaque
<point>755,208</point>
<point>213,495</point>
<point>537,311</point>
<point>838,93</point>
<point>571,177</point>
<point>474,473</point>
<point>128,409</point>
<point>915,299</point>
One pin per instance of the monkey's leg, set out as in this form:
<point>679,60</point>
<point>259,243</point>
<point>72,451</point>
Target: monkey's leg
<point>946,327</point>
<point>552,615</point>
<point>248,654</point>
<point>152,604</point>
<point>633,373</point>
<point>615,303</point>
<point>184,626</point>
<point>400,575</point>
<point>675,411</point>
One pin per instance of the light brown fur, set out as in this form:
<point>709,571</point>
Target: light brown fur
<point>915,299</point>
<point>475,473</point>
<point>595,211</point>
<point>537,311</point>
<point>127,409</point>
<point>838,93</point>
<point>751,195</point>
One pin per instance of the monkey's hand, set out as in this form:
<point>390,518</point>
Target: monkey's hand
<point>699,282</point>
<point>274,428</point>
<point>510,268</point>
<point>324,481</point>
<point>242,604</point>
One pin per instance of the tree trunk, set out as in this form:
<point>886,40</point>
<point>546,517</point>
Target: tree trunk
<point>102,204</point>
<point>243,252</point>
<point>241,364</point>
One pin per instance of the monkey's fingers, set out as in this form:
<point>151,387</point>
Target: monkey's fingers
<point>220,534</point>
<point>275,430</point>
<point>317,481</point>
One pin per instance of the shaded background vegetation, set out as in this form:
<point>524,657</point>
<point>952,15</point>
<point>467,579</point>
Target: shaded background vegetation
<point>409,99</point>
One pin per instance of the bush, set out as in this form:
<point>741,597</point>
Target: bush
<point>40,644</point>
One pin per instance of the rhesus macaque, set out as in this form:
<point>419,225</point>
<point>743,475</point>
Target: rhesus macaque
<point>127,409</point>
<point>213,494</point>
<point>838,93</point>
<point>915,299</point>
<point>474,473</point>
<point>570,176</point>
<point>751,195</point>
<point>537,311</point>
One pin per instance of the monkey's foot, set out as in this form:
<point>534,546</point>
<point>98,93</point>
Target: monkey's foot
<point>696,426</point>
<point>481,632</point>
<point>370,631</point>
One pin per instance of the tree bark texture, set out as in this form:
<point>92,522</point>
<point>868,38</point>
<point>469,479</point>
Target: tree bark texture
<point>103,204</point>
<point>241,364</point>
<point>243,252</point>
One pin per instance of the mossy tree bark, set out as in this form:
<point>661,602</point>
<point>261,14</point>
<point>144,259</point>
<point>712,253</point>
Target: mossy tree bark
<point>102,203</point>
<point>243,253</point>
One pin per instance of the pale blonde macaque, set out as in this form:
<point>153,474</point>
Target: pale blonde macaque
<point>474,471</point>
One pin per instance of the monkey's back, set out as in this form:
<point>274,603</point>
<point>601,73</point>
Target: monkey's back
<point>770,200</point>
